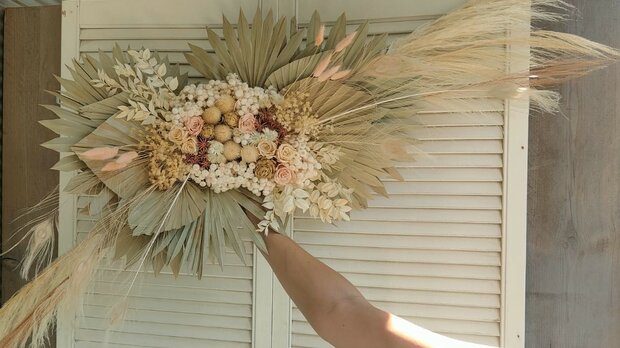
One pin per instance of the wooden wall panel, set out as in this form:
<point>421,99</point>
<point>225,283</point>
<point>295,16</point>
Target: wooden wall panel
<point>573,271</point>
<point>31,58</point>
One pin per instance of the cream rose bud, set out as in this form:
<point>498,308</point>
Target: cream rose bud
<point>189,145</point>
<point>286,153</point>
<point>267,148</point>
<point>225,103</point>
<point>177,135</point>
<point>284,175</point>
<point>222,133</point>
<point>232,150</point>
<point>212,115</point>
<point>194,125</point>
<point>247,123</point>
<point>249,154</point>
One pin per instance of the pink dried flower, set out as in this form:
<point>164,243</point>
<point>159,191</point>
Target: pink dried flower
<point>346,41</point>
<point>247,123</point>
<point>284,175</point>
<point>340,74</point>
<point>100,153</point>
<point>113,166</point>
<point>320,68</point>
<point>328,73</point>
<point>320,36</point>
<point>127,157</point>
<point>194,125</point>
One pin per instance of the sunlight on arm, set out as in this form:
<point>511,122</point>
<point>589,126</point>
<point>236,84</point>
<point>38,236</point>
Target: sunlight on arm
<point>420,337</point>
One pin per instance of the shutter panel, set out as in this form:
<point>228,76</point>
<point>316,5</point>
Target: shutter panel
<point>216,311</point>
<point>432,252</point>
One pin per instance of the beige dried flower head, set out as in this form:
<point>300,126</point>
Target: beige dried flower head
<point>265,168</point>
<point>212,115</point>
<point>226,104</point>
<point>231,119</point>
<point>249,154</point>
<point>232,150</point>
<point>222,133</point>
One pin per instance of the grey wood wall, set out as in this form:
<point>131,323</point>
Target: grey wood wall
<point>31,58</point>
<point>573,270</point>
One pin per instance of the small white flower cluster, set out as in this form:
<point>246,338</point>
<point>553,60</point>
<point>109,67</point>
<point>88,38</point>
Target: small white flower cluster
<point>230,176</point>
<point>307,167</point>
<point>216,152</point>
<point>194,98</point>
<point>312,190</point>
<point>253,138</point>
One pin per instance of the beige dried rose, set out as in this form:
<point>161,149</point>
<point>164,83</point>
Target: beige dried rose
<point>267,148</point>
<point>286,153</point>
<point>194,125</point>
<point>177,135</point>
<point>189,145</point>
<point>265,169</point>
<point>208,131</point>
<point>283,175</point>
<point>231,119</point>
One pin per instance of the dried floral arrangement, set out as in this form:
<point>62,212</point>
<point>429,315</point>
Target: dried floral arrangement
<point>285,120</point>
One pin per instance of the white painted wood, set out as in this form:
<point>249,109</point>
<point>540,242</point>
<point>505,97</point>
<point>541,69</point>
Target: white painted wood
<point>515,209</point>
<point>220,309</point>
<point>444,251</point>
<point>67,207</point>
<point>441,234</point>
<point>26,3</point>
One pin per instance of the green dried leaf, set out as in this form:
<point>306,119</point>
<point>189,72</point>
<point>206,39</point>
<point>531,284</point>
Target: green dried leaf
<point>337,33</point>
<point>61,144</point>
<point>69,163</point>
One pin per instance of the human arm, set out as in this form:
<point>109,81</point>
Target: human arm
<point>337,310</point>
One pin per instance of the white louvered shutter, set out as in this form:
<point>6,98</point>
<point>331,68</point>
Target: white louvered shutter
<point>434,253</point>
<point>215,311</point>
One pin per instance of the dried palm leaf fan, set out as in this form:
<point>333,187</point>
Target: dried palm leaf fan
<point>280,124</point>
